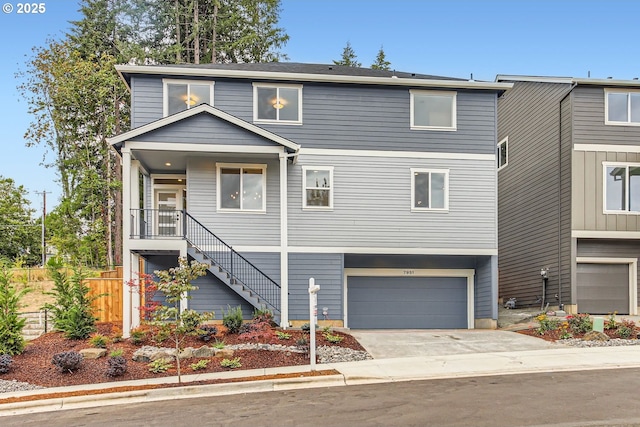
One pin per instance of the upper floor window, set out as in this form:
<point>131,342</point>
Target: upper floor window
<point>277,103</point>
<point>317,183</point>
<point>503,153</point>
<point>621,187</point>
<point>622,107</point>
<point>429,189</point>
<point>241,187</point>
<point>180,95</point>
<point>433,110</point>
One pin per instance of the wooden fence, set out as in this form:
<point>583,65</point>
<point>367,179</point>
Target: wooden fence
<point>107,308</point>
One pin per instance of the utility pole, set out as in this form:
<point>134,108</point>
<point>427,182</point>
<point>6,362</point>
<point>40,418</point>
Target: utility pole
<point>44,215</point>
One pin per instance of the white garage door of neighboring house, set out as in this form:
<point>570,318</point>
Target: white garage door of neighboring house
<point>401,302</point>
<point>603,288</point>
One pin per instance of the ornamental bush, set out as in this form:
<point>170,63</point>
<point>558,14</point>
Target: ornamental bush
<point>11,324</point>
<point>5,363</point>
<point>67,361</point>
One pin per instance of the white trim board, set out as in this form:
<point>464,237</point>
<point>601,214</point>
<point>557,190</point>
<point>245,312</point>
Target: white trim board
<point>633,276</point>
<point>202,148</point>
<point>595,234</point>
<point>395,154</point>
<point>366,250</point>
<point>411,272</point>
<point>607,148</point>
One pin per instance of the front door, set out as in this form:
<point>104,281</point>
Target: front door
<point>169,205</point>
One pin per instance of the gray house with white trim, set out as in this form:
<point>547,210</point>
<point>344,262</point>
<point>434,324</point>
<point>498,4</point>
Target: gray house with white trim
<point>569,193</point>
<point>381,185</point>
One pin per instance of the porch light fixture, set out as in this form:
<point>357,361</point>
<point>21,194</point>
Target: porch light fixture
<point>167,164</point>
<point>279,104</point>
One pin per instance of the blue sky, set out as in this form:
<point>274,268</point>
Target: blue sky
<point>443,37</point>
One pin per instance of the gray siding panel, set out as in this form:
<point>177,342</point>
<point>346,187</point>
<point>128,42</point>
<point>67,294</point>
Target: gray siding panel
<point>346,116</point>
<point>234,228</point>
<point>589,117</point>
<point>326,269</point>
<point>485,306</point>
<point>372,205</point>
<point>528,189</point>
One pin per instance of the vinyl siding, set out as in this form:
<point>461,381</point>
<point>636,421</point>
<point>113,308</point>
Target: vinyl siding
<point>372,205</point>
<point>326,269</point>
<point>346,116</point>
<point>567,247</point>
<point>528,189</point>
<point>589,118</point>
<point>589,193</point>
<point>235,228</point>
<point>485,291</point>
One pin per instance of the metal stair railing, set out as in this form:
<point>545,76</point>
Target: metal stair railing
<point>239,269</point>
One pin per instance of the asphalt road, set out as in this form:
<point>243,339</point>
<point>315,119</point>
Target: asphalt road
<point>586,398</point>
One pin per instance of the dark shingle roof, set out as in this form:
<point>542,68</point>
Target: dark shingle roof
<point>300,68</point>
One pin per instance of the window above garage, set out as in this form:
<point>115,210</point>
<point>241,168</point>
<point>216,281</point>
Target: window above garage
<point>621,187</point>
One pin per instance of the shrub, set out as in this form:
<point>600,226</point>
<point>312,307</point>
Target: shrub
<point>72,311</point>
<point>307,327</point>
<point>232,319</point>
<point>5,363</point>
<point>626,329</point>
<point>283,335</point>
<point>333,339</point>
<point>611,321</point>
<point>580,323</point>
<point>219,345</point>
<point>98,340</point>
<point>547,323</point>
<point>116,352</point>
<point>206,333</point>
<point>231,363</point>
<point>160,365</point>
<point>11,324</point>
<point>161,335</point>
<point>263,315</point>
<point>201,364</point>
<point>67,361</point>
<point>116,366</point>
<point>138,336</point>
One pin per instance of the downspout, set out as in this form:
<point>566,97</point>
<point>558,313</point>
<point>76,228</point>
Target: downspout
<point>560,305</point>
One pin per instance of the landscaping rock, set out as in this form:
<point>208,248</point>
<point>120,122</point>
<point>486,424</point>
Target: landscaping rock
<point>150,353</point>
<point>204,351</point>
<point>93,353</point>
<point>225,353</point>
<point>186,353</point>
<point>595,336</point>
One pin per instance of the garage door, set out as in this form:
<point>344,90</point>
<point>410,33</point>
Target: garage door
<point>407,302</point>
<point>603,288</point>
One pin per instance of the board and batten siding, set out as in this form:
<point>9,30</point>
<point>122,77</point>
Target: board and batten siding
<point>588,193</point>
<point>372,205</point>
<point>327,270</point>
<point>235,228</point>
<point>346,116</point>
<point>589,116</point>
<point>528,189</point>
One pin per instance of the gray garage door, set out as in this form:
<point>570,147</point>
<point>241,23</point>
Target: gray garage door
<point>407,302</point>
<point>603,288</point>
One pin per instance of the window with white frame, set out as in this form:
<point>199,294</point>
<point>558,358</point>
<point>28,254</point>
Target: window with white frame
<point>621,187</point>
<point>433,110</point>
<point>503,153</point>
<point>429,189</point>
<point>277,103</point>
<point>317,184</point>
<point>622,107</point>
<point>241,187</point>
<point>180,95</point>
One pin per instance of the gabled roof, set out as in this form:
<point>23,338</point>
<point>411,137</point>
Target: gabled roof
<point>297,72</point>
<point>635,83</point>
<point>118,140</point>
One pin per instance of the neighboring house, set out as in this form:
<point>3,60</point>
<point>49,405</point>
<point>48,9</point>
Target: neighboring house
<point>380,185</point>
<point>569,193</point>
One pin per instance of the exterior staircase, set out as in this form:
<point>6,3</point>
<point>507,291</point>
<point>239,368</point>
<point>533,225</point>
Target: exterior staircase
<point>36,325</point>
<point>231,268</point>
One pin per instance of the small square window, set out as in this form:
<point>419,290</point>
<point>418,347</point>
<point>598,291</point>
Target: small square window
<point>317,184</point>
<point>433,110</point>
<point>622,107</point>
<point>277,104</point>
<point>182,95</point>
<point>429,189</point>
<point>241,187</point>
<point>503,153</point>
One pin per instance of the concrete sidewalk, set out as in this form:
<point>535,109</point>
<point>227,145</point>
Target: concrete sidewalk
<point>351,373</point>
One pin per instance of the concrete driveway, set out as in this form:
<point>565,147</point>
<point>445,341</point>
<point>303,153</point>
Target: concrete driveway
<point>387,343</point>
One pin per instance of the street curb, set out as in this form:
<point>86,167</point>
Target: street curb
<point>172,393</point>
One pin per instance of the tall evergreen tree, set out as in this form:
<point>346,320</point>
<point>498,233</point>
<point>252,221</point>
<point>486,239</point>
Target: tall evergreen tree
<point>349,58</point>
<point>381,62</point>
<point>19,233</point>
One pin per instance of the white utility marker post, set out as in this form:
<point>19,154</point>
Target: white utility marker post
<point>313,319</point>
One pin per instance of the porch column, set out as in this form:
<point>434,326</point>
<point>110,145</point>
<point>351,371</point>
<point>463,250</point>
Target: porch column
<point>284,243</point>
<point>127,291</point>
